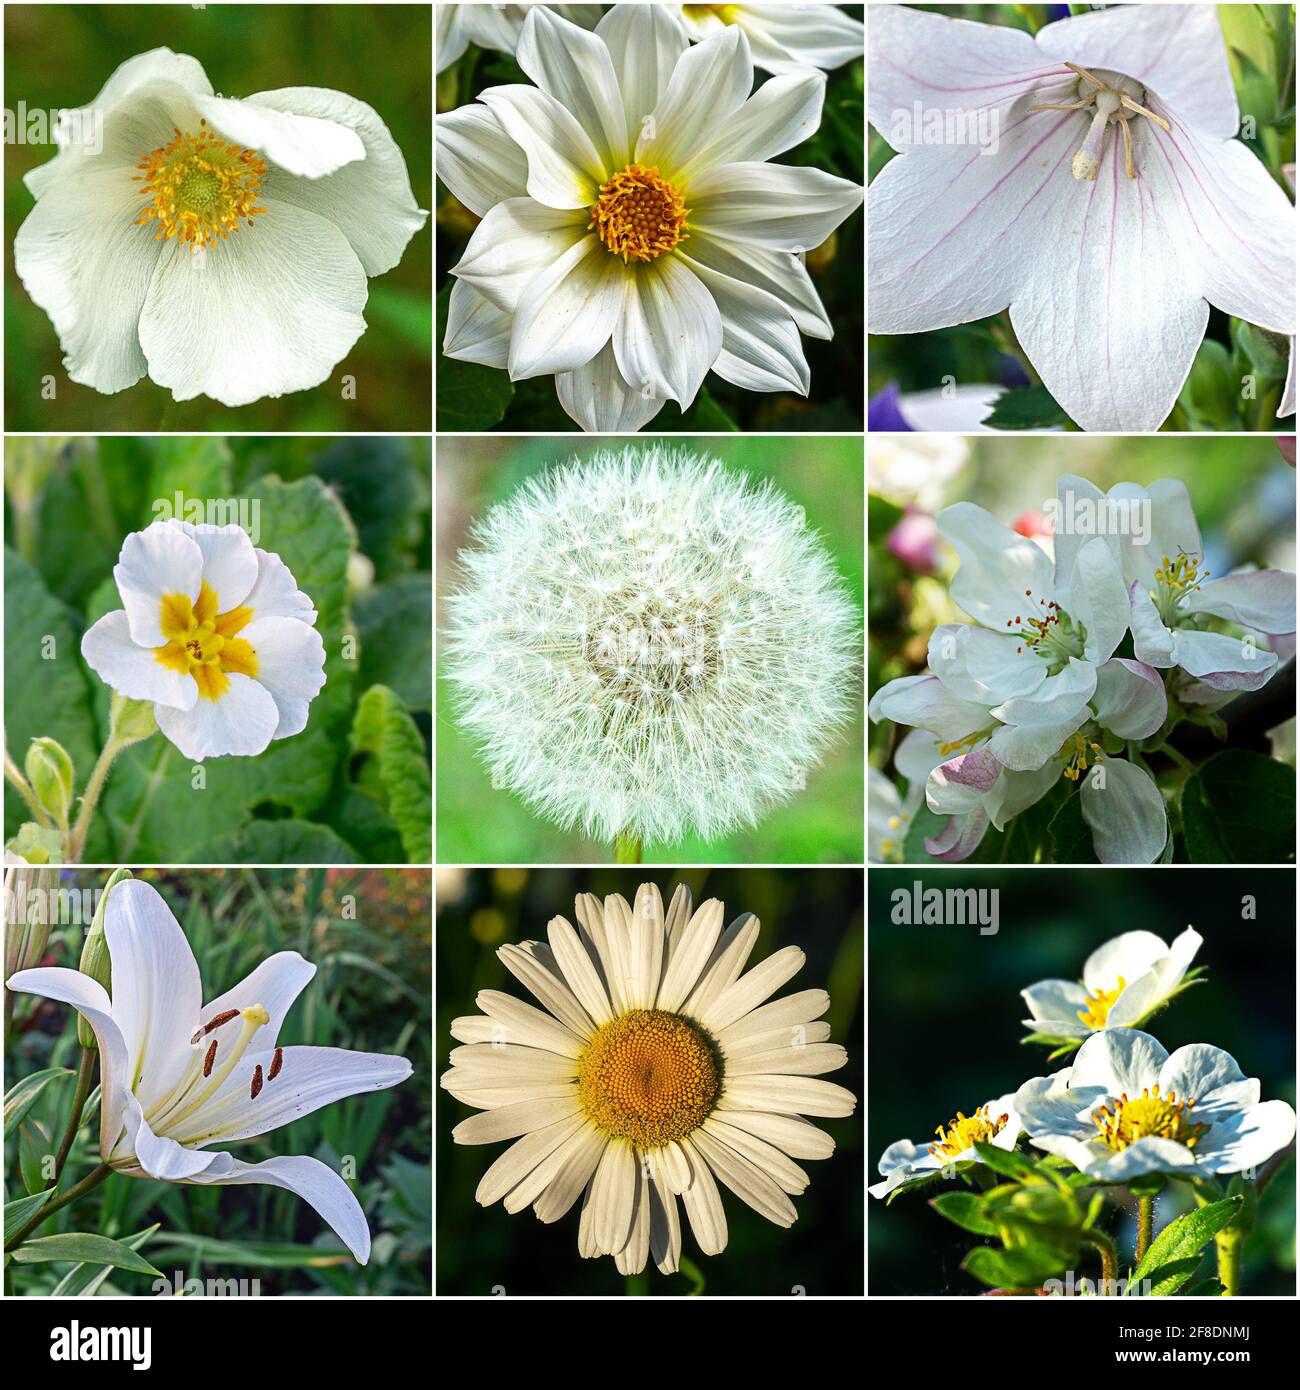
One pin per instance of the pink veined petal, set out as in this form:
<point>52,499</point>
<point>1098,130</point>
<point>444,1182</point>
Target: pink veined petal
<point>1130,699</point>
<point>960,838</point>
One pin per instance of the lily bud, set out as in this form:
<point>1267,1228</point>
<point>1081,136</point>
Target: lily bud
<point>95,960</point>
<point>27,916</point>
<point>131,720</point>
<point>50,771</point>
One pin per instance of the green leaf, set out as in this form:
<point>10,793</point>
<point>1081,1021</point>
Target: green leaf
<point>1168,1262</point>
<point>1026,408</point>
<point>282,842</point>
<point>395,624</point>
<point>82,1247</point>
<point>85,1280</point>
<point>398,770</point>
<point>1025,1267</point>
<point>405,315</point>
<point>22,1095</point>
<point>381,483</point>
<point>471,398</point>
<point>1238,808</point>
<point>1007,1162</point>
<point>1265,353</point>
<point>35,1150</point>
<point>963,1209</point>
<point>205,1250</point>
<point>1070,835</point>
<point>1208,1287</point>
<point>1211,395</point>
<point>20,1211</point>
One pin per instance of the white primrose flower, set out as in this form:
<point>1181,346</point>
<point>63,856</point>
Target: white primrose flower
<point>178,1076</point>
<point>493,26</point>
<point>215,633</point>
<point>634,234</point>
<point>219,245</point>
<point>782,38</point>
<point>1124,982</point>
<point>1126,1108</point>
<point>645,644</point>
<point>653,1070</point>
<point>995,1122</point>
<point>1107,200</point>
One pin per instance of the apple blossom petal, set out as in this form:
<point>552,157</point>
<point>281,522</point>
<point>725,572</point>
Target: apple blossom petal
<point>1226,663</point>
<point>975,771</point>
<point>669,332</point>
<point>706,89</point>
<point>779,273</point>
<point>1162,524</point>
<point>1248,1138</point>
<point>568,312</point>
<point>1000,573</point>
<point>1126,813</point>
<point>133,670</point>
<point>1027,747</point>
<point>1056,701</point>
<point>1153,643</point>
<point>917,756</point>
<point>923,701</point>
<point>564,170</point>
<point>1098,596</point>
<point>644,42</point>
<point>985,666</point>
<point>309,146</point>
<point>959,839</point>
<point>242,722</point>
<point>1076,499</point>
<point>160,560</point>
<point>1130,699</point>
<point>1018,791</point>
<point>477,330</point>
<point>477,160</point>
<point>597,398</point>
<point>782,207</point>
<point>517,242</point>
<point>783,112</point>
<point>1263,600</point>
<point>290,667</point>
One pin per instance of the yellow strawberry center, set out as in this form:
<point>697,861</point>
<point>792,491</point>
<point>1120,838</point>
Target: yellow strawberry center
<point>1100,1003</point>
<point>959,1134</point>
<point>1147,1116</point>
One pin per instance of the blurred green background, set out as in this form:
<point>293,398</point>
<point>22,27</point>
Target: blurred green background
<point>371,992</point>
<point>473,397</point>
<point>351,518</point>
<point>478,823</point>
<point>481,1248</point>
<point>945,1015</point>
<point>61,55</point>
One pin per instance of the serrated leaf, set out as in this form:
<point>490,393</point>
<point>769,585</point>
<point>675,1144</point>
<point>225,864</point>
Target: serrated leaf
<point>22,1095</point>
<point>1165,1263</point>
<point>282,842</point>
<point>399,770</point>
<point>83,1248</point>
<point>963,1209</point>
<point>1005,1161</point>
<point>1026,408</point>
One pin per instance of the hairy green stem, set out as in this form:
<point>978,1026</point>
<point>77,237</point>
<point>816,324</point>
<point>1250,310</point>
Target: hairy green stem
<point>87,1184</point>
<point>1105,1247</point>
<point>15,778</point>
<point>89,801</point>
<point>1146,1210</point>
<point>1229,1245</point>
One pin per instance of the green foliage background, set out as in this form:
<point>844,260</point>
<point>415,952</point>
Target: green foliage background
<point>483,1248</point>
<point>478,823</point>
<point>371,992</point>
<point>61,55</point>
<point>351,519</point>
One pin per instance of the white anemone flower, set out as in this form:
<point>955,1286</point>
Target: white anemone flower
<point>1106,200</point>
<point>783,38</point>
<point>219,245</point>
<point>1127,1108</point>
<point>653,1070</point>
<point>647,645</point>
<point>178,1076</point>
<point>1124,983</point>
<point>215,633</point>
<point>904,1162</point>
<point>634,234</point>
<point>493,26</point>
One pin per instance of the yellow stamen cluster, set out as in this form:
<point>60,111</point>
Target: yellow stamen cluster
<point>1075,752</point>
<point>648,1076</point>
<point>1100,1003</point>
<point>1147,1116</point>
<point>891,847</point>
<point>202,643</point>
<point>639,215</point>
<point>958,1135</point>
<point>200,188</point>
<point>1181,575</point>
<point>957,744</point>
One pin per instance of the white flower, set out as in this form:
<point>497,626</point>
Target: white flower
<point>288,199</point>
<point>215,633</point>
<point>634,235</point>
<point>995,1122</point>
<point>178,1076</point>
<point>889,814</point>
<point>493,26</point>
<point>1109,206</point>
<point>653,1067</point>
<point>1127,1108</point>
<point>914,471</point>
<point>1124,983</point>
<point>647,644</point>
<point>783,38</point>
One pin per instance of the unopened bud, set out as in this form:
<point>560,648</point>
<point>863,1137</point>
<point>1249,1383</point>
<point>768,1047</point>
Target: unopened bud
<point>50,771</point>
<point>131,720</point>
<point>95,960</point>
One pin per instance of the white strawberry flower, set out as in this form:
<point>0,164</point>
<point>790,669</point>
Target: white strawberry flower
<point>493,26</point>
<point>178,1076</point>
<point>634,234</point>
<point>783,38</point>
<point>215,633</point>
<point>904,1162</point>
<point>219,245</point>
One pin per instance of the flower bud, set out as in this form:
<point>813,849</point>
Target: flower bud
<point>95,960</point>
<point>131,720</point>
<point>35,844</point>
<point>50,771</point>
<point>27,898</point>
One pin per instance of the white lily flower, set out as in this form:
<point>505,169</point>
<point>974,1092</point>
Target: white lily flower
<point>178,1076</point>
<point>287,199</point>
<point>1127,1107</point>
<point>1106,201</point>
<point>494,26</point>
<point>996,1122</point>
<point>1124,983</point>
<point>783,38</point>
<point>634,236</point>
<point>215,633</point>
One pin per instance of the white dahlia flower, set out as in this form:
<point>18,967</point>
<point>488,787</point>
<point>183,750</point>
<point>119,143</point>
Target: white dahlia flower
<point>219,245</point>
<point>634,234</point>
<point>214,633</point>
<point>494,26</point>
<point>783,38</point>
<point>645,645</point>
<point>653,1068</point>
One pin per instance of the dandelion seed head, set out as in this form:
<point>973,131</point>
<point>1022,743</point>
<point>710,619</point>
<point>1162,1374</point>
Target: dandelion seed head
<point>644,643</point>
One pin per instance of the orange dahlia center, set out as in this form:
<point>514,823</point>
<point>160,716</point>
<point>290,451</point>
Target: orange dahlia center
<point>639,215</point>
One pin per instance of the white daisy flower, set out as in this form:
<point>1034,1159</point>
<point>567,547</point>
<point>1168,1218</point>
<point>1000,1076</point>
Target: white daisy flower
<point>219,245</point>
<point>178,1076</point>
<point>1127,1108</point>
<point>634,234</point>
<point>493,26</point>
<point>653,1069</point>
<point>783,38</point>
<point>215,634</point>
<point>1124,983</point>
<point>996,1122</point>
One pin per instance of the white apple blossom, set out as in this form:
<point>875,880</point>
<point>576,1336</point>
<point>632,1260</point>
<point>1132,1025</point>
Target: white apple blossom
<point>493,26</point>
<point>904,1162</point>
<point>634,234</point>
<point>215,633</point>
<point>178,1076</point>
<point>1106,200</point>
<point>219,245</point>
<point>783,38</point>
<point>1127,1107</point>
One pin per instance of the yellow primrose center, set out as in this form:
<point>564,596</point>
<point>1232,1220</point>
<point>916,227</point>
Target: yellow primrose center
<point>959,1134</point>
<point>200,188</point>
<point>639,215</point>
<point>1100,1003</point>
<point>202,643</point>
<point>1147,1116</point>
<point>648,1076</point>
